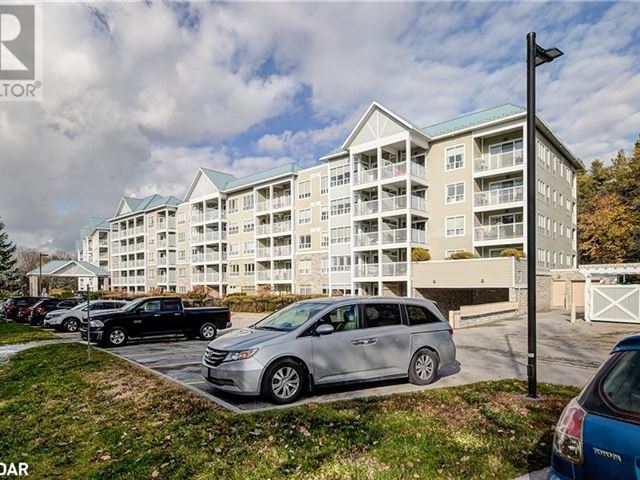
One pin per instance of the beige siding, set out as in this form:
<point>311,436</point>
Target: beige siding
<point>475,273</point>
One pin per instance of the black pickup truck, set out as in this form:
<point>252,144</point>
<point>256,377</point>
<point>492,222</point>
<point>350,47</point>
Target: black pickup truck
<point>155,316</point>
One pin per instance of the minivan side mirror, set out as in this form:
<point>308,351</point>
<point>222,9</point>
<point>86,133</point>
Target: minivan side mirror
<point>324,329</point>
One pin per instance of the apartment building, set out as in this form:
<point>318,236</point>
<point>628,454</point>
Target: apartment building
<point>93,246</point>
<point>143,244</point>
<point>349,225</point>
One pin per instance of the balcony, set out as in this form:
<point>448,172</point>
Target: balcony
<point>214,257</point>
<point>263,229</point>
<point>262,206</point>
<point>281,202</point>
<point>365,208</point>
<point>282,251</point>
<point>197,278</point>
<point>281,227</point>
<point>394,269</point>
<point>281,275</point>
<point>138,263</point>
<point>139,230</point>
<point>498,197</point>
<point>197,258</point>
<point>263,275</point>
<point>366,239</point>
<point>499,161</point>
<point>492,233</point>
<point>197,216</point>
<point>366,270</point>
<point>211,215</point>
<point>263,252</point>
<point>365,176</point>
<point>401,235</point>
<point>212,277</point>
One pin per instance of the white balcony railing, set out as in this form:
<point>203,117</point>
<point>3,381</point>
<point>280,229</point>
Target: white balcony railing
<point>197,217</point>
<point>498,232</point>
<point>394,236</point>
<point>497,161</point>
<point>197,278</point>
<point>263,275</point>
<point>211,215</point>
<point>263,229</point>
<point>282,275</point>
<point>262,206</point>
<point>282,251</point>
<point>282,227</point>
<point>197,258</point>
<point>418,203</point>
<point>263,252</point>
<point>365,208</point>
<point>394,203</point>
<point>212,277</point>
<point>394,170</point>
<point>499,196</point>
<point>281,202</point>
<point>366,270</point>
<point>366,239</point>
<point>394,269</point>
<point>365,176</point>
<point>418,236</point>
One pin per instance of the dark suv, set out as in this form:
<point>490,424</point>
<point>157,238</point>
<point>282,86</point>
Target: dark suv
<point>14,304</point>
<point>46,305</point>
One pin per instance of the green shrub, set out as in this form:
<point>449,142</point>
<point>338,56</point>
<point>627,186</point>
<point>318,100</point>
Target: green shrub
<point>420,254</point>
<point>462,255</point>
<point>261,303</point>
<point>512,252</point>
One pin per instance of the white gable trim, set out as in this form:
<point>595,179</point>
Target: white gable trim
<point>195,181</point>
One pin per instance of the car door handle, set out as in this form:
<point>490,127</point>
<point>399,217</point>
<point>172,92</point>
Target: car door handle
<point>156,314</point>
<point>358,342</point>
<point>370,341</point>
<point>177,314</point>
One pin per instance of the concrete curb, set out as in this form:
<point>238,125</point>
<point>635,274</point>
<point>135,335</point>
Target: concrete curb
<point>537,475</point>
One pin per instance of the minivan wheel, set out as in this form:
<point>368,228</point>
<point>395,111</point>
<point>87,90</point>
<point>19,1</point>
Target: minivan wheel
<point>70,325</point>
<point>208,331</point>
<point>423,368</point>
<point>115,337</point>
<point>283,382</point>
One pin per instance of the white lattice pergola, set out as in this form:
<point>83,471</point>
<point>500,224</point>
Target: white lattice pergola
<point>606,269</point>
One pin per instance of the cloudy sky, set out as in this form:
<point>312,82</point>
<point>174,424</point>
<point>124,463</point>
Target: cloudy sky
<point>138,96</point>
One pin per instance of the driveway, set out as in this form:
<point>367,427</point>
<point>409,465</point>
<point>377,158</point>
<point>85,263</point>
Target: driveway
<point>567,354</point>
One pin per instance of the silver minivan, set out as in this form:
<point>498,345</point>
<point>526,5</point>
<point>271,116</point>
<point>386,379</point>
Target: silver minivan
<point>329,341</point>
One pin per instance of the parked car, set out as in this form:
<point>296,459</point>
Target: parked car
<point>46,305</point>
<point>69,320</point>
<point>13,305</point>
<point>598,434</point>
<point>156,316</point>
<point>331,341</point>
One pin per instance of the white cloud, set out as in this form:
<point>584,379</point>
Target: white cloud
<point>136,99</point>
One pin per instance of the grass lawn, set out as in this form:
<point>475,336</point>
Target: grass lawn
<point>70,419</point>
<point>12,332</point>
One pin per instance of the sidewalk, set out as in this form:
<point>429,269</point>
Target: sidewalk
<point>7,350</point>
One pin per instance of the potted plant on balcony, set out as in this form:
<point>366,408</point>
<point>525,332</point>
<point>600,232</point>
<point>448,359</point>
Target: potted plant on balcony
<point>419,254</point>
<point>462,256</point>
<point>512,252</point>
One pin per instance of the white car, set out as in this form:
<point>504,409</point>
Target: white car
<point>69,320</point>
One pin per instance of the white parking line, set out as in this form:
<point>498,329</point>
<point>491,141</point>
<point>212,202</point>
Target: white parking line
<point>134,356</point>
<point>171,365</point>
<point>200,382</point>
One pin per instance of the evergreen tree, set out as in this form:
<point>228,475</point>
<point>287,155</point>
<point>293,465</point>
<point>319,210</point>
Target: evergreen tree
<point>9,281</point>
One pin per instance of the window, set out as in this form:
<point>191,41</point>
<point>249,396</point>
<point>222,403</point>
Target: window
<point>182,236</point>
<point>182,272</point>
<point>234,270</point>
<point>248,226</point>
<point>306,290</point>
<point>340,263</point>
<point>324,268</point>
<point>324,184</point>
<point>619,387</point>
<point>324,213</point>
<point>182,255</point>
<point>341,206</point>
<point>454,192</point>
<point>454,226</point>
<point>324,239</point>
<point>304,242</point>
<point>232,228</point>
<point>340,235</point>
<point>343,319</point>
<point>448,253</point>
<point>340,175</point>
<point>150,221</point>
<point>248,202</point>
<point>232,205</point>
<point>304,189</point>
<point>382,315</point>
<point>234,249</point>
<point>454,158</point>
<point>152,306</point>
<point>182,218</point>
<point>304,216</point>
<point>171,305</point>
<point>420,315</point>
<point>249,247</point>
<point>182,289</point>
<point>304,267</point>
<point>249,269</point>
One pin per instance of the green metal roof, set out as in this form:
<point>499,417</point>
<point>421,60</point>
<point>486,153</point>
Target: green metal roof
<point>219,179</point>
<point>264,175</point>
<point>473,119</point>
<point>147,203</point>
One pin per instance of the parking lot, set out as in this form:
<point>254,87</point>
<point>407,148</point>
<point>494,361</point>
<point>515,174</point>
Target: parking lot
<point>567,354</point>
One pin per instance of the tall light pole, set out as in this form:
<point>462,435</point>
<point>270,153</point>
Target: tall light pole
<point>41,255</point>
<point>536,56</point>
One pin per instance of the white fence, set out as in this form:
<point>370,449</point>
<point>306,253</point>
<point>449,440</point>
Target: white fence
<point>614,303</point>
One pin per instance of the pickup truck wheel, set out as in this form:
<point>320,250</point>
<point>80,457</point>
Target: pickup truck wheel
<point>423,368</point>
<point>208,331</point>
<point>115,337</point>
<point>283,382</point>
<point>71,325</point>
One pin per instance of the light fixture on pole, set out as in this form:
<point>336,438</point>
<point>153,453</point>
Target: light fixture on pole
<point>536,56</point>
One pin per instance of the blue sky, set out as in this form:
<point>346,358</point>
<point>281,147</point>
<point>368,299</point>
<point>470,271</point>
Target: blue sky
<point>244,87</point>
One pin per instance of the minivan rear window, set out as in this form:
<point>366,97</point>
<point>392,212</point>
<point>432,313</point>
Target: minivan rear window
<point>621,386</point>
<point>420,315</point>
<point>382,314</point>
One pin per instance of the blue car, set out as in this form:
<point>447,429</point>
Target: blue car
<point>598,434</point>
